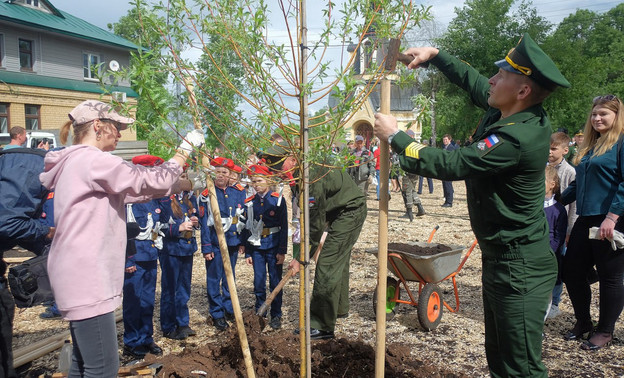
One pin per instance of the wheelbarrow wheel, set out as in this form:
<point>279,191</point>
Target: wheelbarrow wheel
<point>430,306</point>
<point>391,288</point>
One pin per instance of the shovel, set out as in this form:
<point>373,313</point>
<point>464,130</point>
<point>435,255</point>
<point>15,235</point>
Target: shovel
<point>265,306</point>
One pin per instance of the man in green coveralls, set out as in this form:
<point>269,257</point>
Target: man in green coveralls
<point>504,173</point>
<point>337,206</point>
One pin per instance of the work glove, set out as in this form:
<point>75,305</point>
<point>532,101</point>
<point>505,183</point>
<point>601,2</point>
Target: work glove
<point>194,139</point>
<point>198,180</point>
<point>617,242</point>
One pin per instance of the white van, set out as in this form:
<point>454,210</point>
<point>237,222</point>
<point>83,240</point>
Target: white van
<point>33,138</point>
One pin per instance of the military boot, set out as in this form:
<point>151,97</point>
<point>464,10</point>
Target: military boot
<point>421,210</point>
<point>408,214</point>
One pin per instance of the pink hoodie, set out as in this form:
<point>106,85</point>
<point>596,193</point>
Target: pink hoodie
<point>87,256</point>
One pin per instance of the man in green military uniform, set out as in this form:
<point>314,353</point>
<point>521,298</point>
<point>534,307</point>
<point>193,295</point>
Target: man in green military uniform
<point>337,206</point>
<point>504,173</point>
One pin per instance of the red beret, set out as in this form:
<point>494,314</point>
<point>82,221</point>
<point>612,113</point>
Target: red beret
<point>236,168</point>
<point>258,170</point>
<point>221,162</point>
<point>147,160</point>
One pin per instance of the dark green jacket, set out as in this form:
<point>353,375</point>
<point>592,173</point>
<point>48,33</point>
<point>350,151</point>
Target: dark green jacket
<point>332,193</point>
<point>503,167</point>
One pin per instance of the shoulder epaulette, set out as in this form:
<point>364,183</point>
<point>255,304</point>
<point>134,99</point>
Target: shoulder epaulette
<point>239,187</point>
<point>205,192</point>
<point>249,199</point>
<point>50,195</point>
<point>275,194</point>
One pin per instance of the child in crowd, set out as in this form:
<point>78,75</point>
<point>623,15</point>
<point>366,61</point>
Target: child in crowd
<point>176,262</point>
<point>231,201</point>
<point>559,147</point>
<point>558,222</point>
<point>267,245</point>
<point>139,289</point>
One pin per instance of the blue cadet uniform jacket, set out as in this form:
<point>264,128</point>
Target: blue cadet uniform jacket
<point>176,243</point>
<point>22,197</point>
<point>233,215</point>
<point>267,223</point>
<point>150,239</point>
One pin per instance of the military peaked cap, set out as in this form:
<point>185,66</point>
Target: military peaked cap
<point>528,59</point>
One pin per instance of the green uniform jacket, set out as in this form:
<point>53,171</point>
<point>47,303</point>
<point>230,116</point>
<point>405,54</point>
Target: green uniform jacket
<point>503,167</point>
<point>332,192</point>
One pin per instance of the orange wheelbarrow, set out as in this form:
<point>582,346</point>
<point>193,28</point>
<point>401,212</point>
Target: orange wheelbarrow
<point>428,271</point>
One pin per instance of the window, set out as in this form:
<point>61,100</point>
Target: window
<point>34,3</point>
<point>1,50</point>
<point>4,117</point>
<point>32,117</point>
<point>90,65</point>
<point>26,54</point>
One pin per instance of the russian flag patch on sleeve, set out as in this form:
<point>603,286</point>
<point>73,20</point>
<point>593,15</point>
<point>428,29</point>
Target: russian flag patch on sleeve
<point>486,145</point>
<point>491,140</point>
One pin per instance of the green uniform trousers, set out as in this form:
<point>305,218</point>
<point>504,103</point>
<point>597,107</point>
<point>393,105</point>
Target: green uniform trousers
<point>517,284</point>
<point>410,195</point>
<point>330,295</point>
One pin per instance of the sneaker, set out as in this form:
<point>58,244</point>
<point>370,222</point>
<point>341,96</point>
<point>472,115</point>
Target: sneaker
<point>275,323</point>
<point>447,205</point>
<point>553,312</point>
<point>174,335</point>
<point>186,331</point>
<point>220,324</point>
<point>49,314</point>
<point>135,352</point>
<point>153,348</point>
<point>230,317</point>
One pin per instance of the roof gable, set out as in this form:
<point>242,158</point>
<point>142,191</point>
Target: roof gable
<point>58,21</point>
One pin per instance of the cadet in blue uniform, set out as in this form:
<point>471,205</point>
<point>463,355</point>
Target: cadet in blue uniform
<point>176,262</point>
<point>139,288</point>
<point>267,222</point>
<point>504,173</point>
<point>231,201</point>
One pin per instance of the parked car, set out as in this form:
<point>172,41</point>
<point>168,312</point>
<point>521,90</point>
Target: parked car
<point>33,138</point>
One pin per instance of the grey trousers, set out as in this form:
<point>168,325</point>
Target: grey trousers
<point>95,347</point>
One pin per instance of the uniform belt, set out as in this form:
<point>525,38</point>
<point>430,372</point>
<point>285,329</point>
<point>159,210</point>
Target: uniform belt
<point>234,220</point>
<point>269,231</point>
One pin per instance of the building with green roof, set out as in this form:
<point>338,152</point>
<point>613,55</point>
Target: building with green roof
<point>49,63</point>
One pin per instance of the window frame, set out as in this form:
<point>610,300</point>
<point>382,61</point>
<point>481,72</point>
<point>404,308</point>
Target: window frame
<point>6,115</point>
<point>30,52</point>
<point>90,54</point>
<point>31,117</point>
<point>2,53</point>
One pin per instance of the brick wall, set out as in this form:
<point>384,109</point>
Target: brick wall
<point>55,105</point>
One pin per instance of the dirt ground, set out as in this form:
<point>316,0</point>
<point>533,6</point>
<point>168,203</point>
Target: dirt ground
<point>453,349</point>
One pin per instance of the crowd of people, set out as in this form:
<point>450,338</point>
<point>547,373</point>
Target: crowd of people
<point>543,223</point>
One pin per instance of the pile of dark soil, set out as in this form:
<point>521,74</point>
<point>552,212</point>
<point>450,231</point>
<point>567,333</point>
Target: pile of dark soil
<point>276,354</point>
<point>417,249</point>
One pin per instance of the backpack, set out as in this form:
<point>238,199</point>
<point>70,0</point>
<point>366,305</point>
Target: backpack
<point>29,282</point>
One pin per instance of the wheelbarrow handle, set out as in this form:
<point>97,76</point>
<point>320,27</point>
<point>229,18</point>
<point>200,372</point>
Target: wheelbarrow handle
<point>433,233</point>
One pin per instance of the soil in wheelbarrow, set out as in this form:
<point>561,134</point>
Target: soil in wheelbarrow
<point>276,354</point>
<point>419,250</point>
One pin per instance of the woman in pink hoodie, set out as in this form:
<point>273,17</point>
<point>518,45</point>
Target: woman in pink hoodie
<point>87,256</point>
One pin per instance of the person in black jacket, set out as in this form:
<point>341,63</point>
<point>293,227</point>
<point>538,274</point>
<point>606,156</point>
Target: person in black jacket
<point>20,209</point>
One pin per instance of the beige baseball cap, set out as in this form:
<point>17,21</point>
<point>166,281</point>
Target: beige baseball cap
<point>90,110</point>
